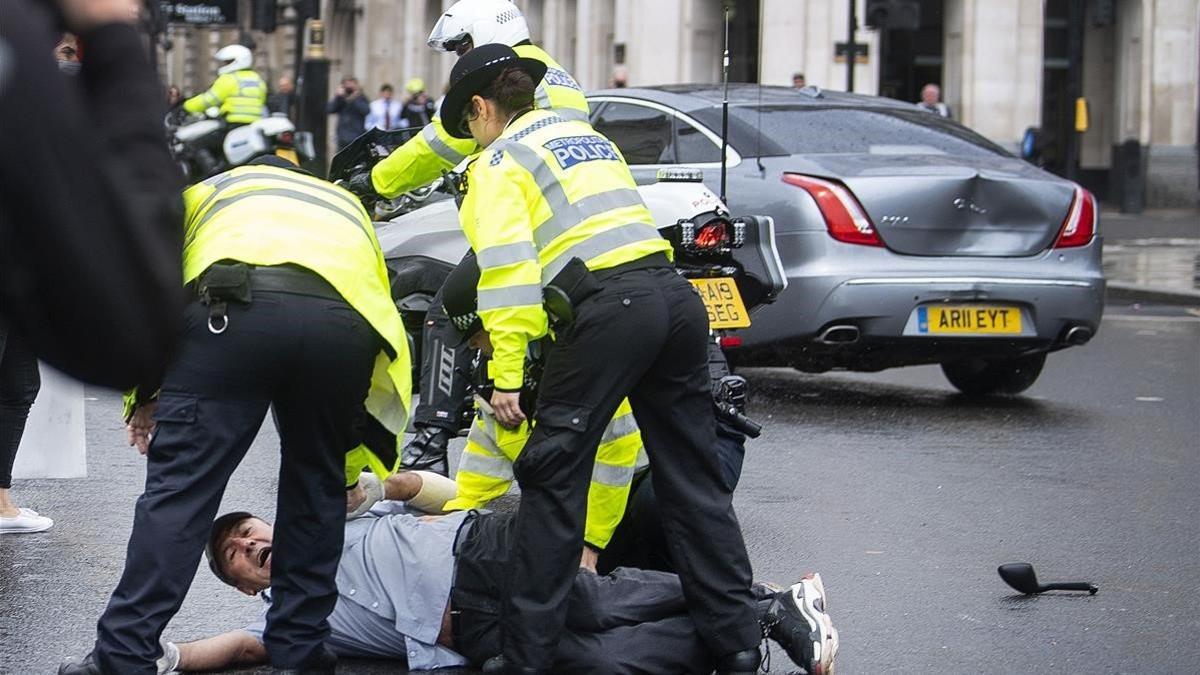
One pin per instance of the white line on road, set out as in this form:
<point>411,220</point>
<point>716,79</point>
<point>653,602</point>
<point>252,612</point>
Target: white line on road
<point>1154,319</point>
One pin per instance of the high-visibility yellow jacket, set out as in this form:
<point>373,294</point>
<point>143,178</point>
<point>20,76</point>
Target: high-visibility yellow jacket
<point>241,96</point>
<point>263,215</point>
<point>548,190</point>
<point>425,156</point>
<point>485,470</point>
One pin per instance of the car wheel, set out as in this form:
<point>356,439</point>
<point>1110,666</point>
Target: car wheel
<point>981,377</point>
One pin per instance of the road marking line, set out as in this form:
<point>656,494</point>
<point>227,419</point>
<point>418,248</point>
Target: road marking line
<point>1143,317</point>
<point>1149,399</point>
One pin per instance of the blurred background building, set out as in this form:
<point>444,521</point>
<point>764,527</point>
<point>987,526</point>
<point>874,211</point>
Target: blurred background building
<point>1004,66</point>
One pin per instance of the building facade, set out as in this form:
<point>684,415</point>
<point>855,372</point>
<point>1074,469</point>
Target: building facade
<point>1003,65</point>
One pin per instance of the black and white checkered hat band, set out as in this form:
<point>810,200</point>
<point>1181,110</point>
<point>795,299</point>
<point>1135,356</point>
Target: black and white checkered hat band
<point>463,322</point>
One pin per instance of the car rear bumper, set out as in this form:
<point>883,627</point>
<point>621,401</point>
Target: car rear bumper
<point>867,321</point>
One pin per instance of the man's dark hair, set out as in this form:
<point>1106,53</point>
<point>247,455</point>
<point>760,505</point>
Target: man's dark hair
<point>798,76</point>
<point>220,530</point>
<point>386,87</point>
<point>512,90</point>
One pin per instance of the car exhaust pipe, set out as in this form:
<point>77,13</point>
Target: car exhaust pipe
<point>1079,335</point>
<point>838,335</point>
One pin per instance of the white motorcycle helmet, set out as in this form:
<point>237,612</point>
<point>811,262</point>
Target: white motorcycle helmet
<point>234,58</point>
<point>482,21</point>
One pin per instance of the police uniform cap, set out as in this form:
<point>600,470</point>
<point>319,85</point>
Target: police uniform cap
<point>474,72</point>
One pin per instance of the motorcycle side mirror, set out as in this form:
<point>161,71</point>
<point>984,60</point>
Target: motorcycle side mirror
<point>1022,578</point>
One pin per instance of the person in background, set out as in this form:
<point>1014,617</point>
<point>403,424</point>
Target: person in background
<point>931,100</point>
<point>174,96</point>
<point>798,80</point>
<point>386,112</point>
<point>351,108</point>
<point>67,51</point>
<point>418,107</point>
<point>239,91</point>
<point>284,98</point>
<point>620,78</point>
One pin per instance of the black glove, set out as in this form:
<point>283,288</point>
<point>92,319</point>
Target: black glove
<point>362,187</point>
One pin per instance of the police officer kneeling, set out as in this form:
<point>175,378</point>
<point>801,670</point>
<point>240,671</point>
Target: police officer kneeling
<point>552,205</point>
<point>291,310</point>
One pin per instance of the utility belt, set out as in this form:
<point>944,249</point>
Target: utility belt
<point>226,282</point>
<point>576,283</point>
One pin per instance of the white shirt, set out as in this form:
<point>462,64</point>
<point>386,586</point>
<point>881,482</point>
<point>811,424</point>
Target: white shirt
<point>383,111</point>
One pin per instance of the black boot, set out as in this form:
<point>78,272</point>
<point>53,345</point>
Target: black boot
<point>427,451</point>
<point>85,666</point>
<point>744,662</point>
<point>498,666</point>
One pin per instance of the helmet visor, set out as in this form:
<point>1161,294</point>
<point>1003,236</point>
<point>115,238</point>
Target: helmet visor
<point>446,34</point>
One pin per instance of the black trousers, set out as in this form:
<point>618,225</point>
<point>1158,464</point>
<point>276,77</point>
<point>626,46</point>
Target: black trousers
<point>19,385</point>
<point>310,360</point>
<point>629,621</point>
<point>643,335</point>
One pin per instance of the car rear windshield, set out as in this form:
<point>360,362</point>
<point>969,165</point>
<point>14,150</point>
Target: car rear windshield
<point>812,130</point>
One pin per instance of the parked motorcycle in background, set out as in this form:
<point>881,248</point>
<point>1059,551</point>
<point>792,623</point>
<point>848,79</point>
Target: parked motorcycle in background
<point>197,145</point>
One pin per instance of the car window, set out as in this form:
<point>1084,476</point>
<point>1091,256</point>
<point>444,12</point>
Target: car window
<point>809,130</point>
<point>692,146</point>
<point>642,134</point>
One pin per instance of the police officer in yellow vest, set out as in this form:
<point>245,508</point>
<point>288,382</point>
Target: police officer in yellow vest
<point>291,311</point>
<point>553,215</point>
<point>465,25</point>
<point>485,469</point>
<point>239,92</point>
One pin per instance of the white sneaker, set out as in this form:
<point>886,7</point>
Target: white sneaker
<point>27,521</point>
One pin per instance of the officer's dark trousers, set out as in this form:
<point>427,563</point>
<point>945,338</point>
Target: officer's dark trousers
<point>644,334</point>
<point>308,358</point>
<point>629,621</point>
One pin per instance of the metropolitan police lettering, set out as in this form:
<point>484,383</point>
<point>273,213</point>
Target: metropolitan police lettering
<point>572,150</point>
<point>560,78</point>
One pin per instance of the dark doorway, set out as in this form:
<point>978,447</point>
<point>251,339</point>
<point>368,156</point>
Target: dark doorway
<point>1057,114</point>
<point>743,40</point>
<point>910,59</point>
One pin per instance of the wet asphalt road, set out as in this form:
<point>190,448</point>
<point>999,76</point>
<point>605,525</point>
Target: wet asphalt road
<point>904,496</point>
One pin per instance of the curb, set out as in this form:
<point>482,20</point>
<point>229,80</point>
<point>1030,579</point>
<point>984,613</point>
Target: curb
<point>1123,290</point>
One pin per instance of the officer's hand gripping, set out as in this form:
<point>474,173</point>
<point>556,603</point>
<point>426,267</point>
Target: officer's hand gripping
<point>140,426</point>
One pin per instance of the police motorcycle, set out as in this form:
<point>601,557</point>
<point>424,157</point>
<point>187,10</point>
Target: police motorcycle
<point>732,261</point>
<point>192,143</point>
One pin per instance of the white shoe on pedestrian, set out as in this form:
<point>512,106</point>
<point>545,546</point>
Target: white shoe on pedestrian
<point>25,522</point>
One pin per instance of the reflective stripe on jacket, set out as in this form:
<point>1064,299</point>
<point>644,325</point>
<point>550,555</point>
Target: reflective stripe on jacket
<point>485,470</point>
<point>263,215</point>
<point>548,190</point>
<point>241,97</point>
<point>425,156</point>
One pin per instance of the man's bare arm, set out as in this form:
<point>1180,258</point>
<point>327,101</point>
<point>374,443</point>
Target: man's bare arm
<point>237,647</point>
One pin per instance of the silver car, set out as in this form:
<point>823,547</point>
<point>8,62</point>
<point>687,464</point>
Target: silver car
<point>907,238</point>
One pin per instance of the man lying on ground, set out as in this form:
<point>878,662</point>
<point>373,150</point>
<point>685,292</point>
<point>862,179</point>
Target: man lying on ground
<point>426,591</point>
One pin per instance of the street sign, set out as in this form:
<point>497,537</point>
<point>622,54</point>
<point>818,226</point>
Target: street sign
<point>861,53</point>
<point>200,11</point>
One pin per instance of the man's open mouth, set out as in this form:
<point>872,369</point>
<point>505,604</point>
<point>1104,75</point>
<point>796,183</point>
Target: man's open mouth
<point>263,554</point>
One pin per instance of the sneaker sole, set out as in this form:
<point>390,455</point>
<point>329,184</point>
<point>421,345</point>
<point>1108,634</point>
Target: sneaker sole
<point>26,530</point>
<point>823,635</point>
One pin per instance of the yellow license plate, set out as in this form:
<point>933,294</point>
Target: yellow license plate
<point>723,302</point>
<point>288,154</point>
<point>969,319</point>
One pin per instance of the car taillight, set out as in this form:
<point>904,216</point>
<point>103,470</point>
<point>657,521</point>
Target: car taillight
<point>1080,224</point>
<point>287,137</point>
<point>844,217</point>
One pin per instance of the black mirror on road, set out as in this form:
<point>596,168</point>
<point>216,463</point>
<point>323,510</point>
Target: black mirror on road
<point>1022,577</point>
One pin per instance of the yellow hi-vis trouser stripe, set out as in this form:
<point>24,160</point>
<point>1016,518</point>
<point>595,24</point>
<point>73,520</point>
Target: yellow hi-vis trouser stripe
<point>485,471</point>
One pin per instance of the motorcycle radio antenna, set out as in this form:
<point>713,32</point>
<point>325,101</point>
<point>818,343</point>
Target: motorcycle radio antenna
<point>725,105</point>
